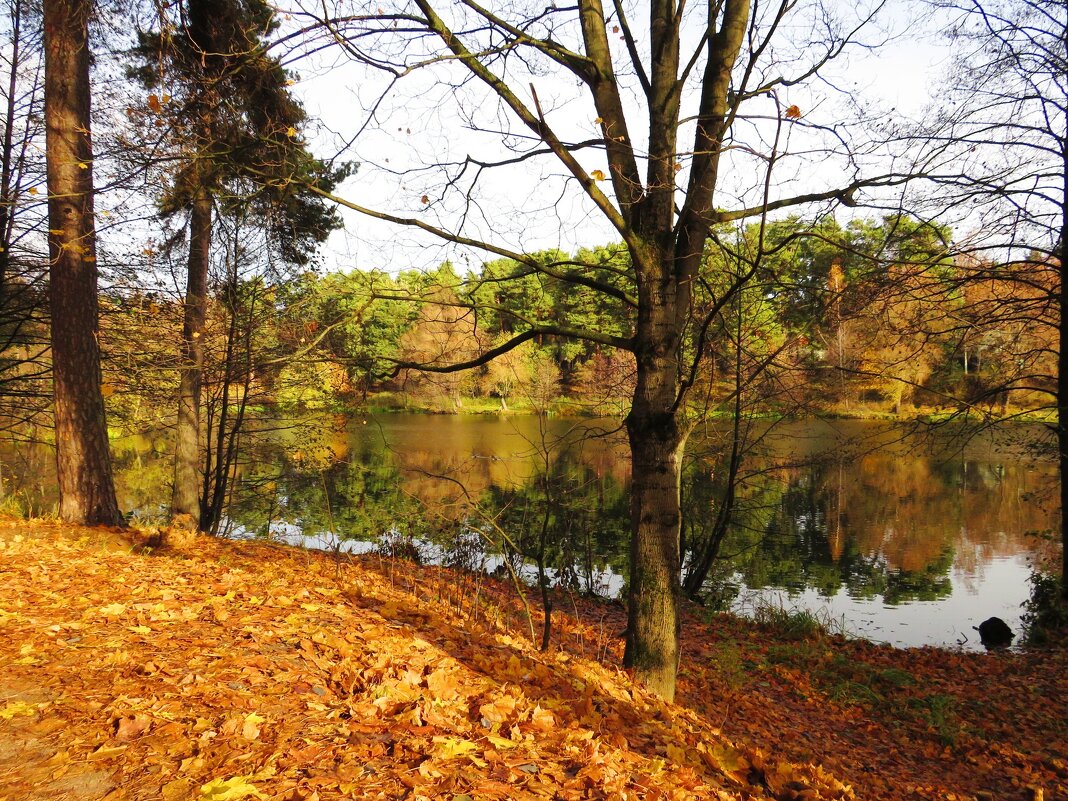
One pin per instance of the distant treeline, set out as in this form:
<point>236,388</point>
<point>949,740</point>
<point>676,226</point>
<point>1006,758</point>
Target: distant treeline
<point>874,317</point>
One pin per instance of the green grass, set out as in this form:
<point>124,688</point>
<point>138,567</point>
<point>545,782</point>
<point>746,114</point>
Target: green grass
<point>796,623</point>
<point>731,666</point>
<point>940,713</point>
<point>889,693</point>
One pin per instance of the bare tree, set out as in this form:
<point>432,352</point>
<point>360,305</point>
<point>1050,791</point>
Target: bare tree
<point>24,371</point>
<point>696,94</point>
<point>1001,124</point>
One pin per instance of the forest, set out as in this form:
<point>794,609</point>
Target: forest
<point>827,330</point>
<point>660,214</point>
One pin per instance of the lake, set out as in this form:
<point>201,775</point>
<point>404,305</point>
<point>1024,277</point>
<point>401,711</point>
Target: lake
<point>897,534</point>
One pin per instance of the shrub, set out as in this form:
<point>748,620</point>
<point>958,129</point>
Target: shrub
<point>1045,617</point>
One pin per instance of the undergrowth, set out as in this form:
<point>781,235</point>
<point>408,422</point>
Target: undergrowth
<point>888,693</point>
<point>1045,616</point>
<point>796,623</point>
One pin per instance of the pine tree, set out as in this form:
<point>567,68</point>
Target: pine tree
<point>233,122</point>
<point>86,489</point>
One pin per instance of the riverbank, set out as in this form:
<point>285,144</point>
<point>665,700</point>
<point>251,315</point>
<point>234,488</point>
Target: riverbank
<point>563,406</point>
<point>214,669</point>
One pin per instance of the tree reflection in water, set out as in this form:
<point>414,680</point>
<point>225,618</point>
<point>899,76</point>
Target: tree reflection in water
<point>845,511</point>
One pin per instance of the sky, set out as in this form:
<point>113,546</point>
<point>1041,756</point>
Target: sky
<point>532,206</point>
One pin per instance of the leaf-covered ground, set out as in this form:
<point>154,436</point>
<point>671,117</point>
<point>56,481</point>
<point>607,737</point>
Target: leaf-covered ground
<point>221,670</point>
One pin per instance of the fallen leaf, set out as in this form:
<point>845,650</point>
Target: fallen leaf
<point>498,710</point>
<point>501,742</point>
<point>726,759</point>
<point>251,728</point>
<point>442,684</point>
<point>107,751</point>
<point>132,727</point>
<point>231,789</point>
<point>676,754</point>
<point>17,708</point>
<point>542,719</point>
<point>177,790</point>
<point>450,747</point>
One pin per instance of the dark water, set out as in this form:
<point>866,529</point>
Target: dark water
<point>897,535</point>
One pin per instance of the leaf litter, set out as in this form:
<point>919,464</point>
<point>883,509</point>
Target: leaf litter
<point>232,670</point>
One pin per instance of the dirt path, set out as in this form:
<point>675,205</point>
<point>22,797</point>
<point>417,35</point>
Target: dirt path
<point>35,760</point>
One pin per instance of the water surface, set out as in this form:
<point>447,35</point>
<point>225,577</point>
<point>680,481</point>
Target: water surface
<point>899,535</point>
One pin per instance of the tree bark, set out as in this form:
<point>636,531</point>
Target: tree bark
<point>86,490</point>
<point>667,257</point>
<point>1062,355</point>
<point>657,439</point>
<point>185,497</point>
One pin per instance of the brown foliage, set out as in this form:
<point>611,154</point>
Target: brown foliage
<point>245,670</point>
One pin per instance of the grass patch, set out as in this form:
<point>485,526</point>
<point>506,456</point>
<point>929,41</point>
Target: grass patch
<point>886,692</point>
<point>940,714</point>
<point>897,678</point>
<point>794,654</point>
<point>730,666</point>
<point>855,692</point>
<point>795,623</point>
<point>844,680</point>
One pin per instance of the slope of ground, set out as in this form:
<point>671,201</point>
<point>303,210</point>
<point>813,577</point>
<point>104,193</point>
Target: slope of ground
<point>916,723</point>
<point>221,670</point>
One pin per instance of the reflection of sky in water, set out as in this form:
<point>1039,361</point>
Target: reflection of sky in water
<point>997,592</point>
<point>609,584</point>
<point>291,534</point>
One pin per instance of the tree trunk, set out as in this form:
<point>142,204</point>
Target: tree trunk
<point>7,157</point>
<point>656,443</point>
<point>86,491</point>
<point>185,498</point>
<point>655,589</point>
<point>1062,366</point>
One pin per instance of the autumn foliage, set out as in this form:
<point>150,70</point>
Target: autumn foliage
<point>223,670</point>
